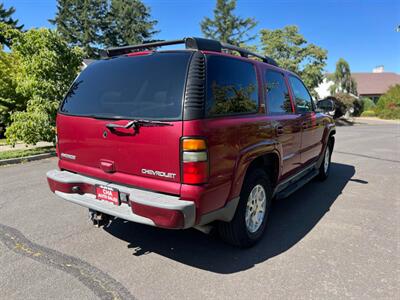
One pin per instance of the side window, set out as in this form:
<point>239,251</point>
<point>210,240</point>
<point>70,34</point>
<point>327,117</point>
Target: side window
<point>278,99</point>
<point>302,96</point>
<point>231,86</point>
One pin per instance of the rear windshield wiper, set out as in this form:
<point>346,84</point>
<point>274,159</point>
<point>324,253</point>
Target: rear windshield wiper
<point>105,117</point>
<point>138,123</point>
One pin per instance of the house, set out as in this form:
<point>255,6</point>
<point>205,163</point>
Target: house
<point>86,62</point>
<point>371,85</point>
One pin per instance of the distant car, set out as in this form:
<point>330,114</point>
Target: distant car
<point>188,138</point>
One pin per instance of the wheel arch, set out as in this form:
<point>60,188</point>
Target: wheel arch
<point>331,137</point>
<point>266,157</point>
<point>328,136</point>
<point>270,163</point>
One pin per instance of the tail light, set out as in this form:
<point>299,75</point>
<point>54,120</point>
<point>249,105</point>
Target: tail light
<point>194,161</point>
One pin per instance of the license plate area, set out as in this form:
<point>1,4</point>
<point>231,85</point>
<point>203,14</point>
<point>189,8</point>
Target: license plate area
<point>107,193</point>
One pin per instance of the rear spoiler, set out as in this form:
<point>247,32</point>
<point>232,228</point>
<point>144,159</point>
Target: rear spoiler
<point>190,43</point>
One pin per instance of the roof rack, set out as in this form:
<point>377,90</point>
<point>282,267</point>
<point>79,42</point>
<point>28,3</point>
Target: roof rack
<point>190,43</point>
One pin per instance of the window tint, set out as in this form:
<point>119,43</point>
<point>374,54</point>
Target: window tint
<point>231,86</point>
<point>303,98</point>
<point>147,87</point>
<point>278,100</point>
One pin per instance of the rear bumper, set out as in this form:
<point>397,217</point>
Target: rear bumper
<point>141,206</point>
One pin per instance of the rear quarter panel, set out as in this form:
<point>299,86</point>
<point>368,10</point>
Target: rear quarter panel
<point>223,146</point>
<point>233,143</point>
<point>257,138</point>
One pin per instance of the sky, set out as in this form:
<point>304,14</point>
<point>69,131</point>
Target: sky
<point>363,32</point>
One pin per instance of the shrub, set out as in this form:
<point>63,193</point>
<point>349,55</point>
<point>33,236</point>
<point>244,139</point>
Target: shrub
<point>10,100</point>
<point>390,114</point>
<point>35,124</point>
<point>358,107</point>
<point>368,104</point>
<point>46,68</point>
<point>368,113</point>
<point>388,106</point>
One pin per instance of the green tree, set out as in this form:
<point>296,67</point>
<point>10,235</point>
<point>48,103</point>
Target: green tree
<point>388,106</point>
<point>227,27</point>
<point>292,51</point>
<point>6,18</point>
<point>128,23</point>
<point>10,100</point>
<point>342,80</point>
<point>46,68</point>
<point>93,24</point>
<point>81,23</point>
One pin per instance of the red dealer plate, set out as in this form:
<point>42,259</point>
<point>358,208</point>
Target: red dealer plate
<point>107,193</point>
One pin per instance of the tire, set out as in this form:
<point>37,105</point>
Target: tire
<point>326,163</point>
<point>245,233</point>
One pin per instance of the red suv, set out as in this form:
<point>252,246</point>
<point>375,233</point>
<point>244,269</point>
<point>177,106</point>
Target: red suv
<point>188,138</point>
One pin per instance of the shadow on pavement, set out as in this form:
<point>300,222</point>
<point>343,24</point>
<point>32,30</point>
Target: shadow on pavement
<point>345,122</point>
<point>290,220</point>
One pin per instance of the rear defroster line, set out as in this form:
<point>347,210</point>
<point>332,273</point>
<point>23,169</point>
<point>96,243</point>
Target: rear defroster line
<point>104,286</point>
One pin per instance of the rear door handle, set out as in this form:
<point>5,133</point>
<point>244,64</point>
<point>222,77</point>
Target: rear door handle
<point>279,130</point>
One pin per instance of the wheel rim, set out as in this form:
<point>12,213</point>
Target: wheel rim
<point>255,209</point>
<point>326,160</point>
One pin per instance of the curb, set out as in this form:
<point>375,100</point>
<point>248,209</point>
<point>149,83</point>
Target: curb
<point>18,160</point>
<point>377,120</point>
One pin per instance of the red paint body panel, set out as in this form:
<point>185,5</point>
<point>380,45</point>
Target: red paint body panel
<point>223,145</point>
<point>67,188</point>
<point>161,217</point>
<point>91,143</point>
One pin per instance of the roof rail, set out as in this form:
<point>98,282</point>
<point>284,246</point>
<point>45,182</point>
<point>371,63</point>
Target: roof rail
<point>245,53</point>
<point>190,43</point>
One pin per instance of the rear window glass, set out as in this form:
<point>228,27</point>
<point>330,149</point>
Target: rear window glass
<point>278,98</point>
<point>145,87</point>
<point>231,86</point>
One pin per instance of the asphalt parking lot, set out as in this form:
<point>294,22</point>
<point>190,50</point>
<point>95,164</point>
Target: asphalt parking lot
<point>335,239</point>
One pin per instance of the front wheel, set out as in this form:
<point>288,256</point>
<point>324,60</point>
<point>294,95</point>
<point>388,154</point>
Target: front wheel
<point>326,163</point>
<point>248,225</point>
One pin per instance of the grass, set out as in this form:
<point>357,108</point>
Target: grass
<point>25,152</point>
<point>368,113</point>
<point>3,142</point>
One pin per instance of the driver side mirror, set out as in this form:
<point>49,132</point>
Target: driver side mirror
<point>326,106</point>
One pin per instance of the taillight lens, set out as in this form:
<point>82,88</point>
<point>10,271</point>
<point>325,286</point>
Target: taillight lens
<point>195,172</point>
<point>194,161</point>
<point>194,145</point>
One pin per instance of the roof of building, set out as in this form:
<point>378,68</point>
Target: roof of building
<point>88,61</point>
<point>375,83</point>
